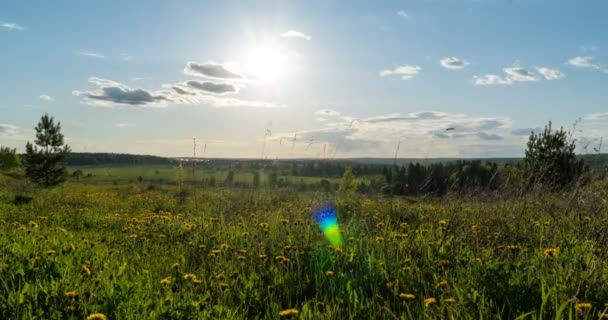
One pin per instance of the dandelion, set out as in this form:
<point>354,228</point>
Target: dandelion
<point>403,225</point>
<point>380,225</point>
<point>580,307</point>
<point>224,246</point>
<point>379,239</point>
<point>189,276</point>
<point>166,281</point>
<point>551,252</point>
<point>281,259</point>
<point>442,283</point>
<point>33,224</point>
<point>97,316</point>
<point>221,277</point>
<point>51,252</point>
<point>329,273</point>
<point>284,221</point>
<point>407,296</point>
<point>263,256</point>
<point>449,300</point>
<point>263,225</point>
<point>223,285</point>
<point>71,294</point>
<point>241,258</point>
<point>443,223</point>
<point>175,265</point>
<point>245,234</point>
<point>429,302</point>
<point>85,270</point>
<point>289,312</point>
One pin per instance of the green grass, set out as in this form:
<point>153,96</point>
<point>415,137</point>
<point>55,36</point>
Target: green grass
<point>111,246</point>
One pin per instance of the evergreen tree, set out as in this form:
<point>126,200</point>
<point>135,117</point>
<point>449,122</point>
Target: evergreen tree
<point>8,158</point>
<point>45,162</point>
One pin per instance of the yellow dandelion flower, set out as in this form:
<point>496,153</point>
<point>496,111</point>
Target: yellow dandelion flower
<point>189,276</point>
<point>380,225</point>
<point>166,281</point>
<point>263,256</point>
<point>289,312</point>
<point>449,300</point>
<point>241,258</point>
<point>71,294</point>
<point>197,281</point>
<point>429,302</point>
<point>175,265</point>
<point>443,222</point>
<point>33,224</point>
<point>221,277</point>
<point>379,239</point>
<point>242,251</point>
<point>97,316</point>
<point>223,285</point>
<point>551,252</point>
<point>245,234</point>
<point>51,252</point>
<point>263,225</point>
<point>442,283</point>
<point>407,296</point>
<point>580,307</point>
<point>85,270</point>
<point>284,221</point>
<point>329,273</point>
<point>391,284</point>
<point>403,225</point>
<point>224,246</point>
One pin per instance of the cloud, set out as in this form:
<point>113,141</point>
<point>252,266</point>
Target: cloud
<point>210,69</point>
<point>550,74</point>
<point>327,113</point>
<point>212,87</point>
<point>403,14</point>
<point>11,26</point>
<point>91,54</point>
<point>453,63</point>
<point>321,119</point>
<point>405,71</point>
<point>596,116</point>
<point>583,62</point>
<point>295,34</point>
<point>524,131</point>
<point>8,129</point>
<point>123,125</point>
<point>46,98</point>
<point>110,93</point>
<point>489,137</point>
<point>520,74</point>
<point>490,80</point>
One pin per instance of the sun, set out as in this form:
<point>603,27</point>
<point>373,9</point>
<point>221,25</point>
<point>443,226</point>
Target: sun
<point>266,63</point>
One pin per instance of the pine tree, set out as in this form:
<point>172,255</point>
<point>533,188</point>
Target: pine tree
<point>45,162</point>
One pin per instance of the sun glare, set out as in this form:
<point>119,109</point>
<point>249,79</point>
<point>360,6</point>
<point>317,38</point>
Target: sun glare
<point>266,63</point>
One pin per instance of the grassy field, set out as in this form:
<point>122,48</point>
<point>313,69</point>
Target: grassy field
<point>138,251</point>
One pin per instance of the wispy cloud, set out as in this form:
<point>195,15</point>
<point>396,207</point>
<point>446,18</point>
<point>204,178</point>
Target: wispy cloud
<point>596,116</point>
<point>520,74</point>
<point>295,34</point>
<point>583,62</point>
<point>8,129</point>
<point>406,71</point>
<point>46,97</point>
<point>524,131</point>
<point>490,80</point>
<point>453,63</point>
<point>210,87</point>
<point>11,26</point>
<point>124,125</point>
<point>403,14</point>
<point>327,113</point>
<point>91,54</point>
<point>550,74</point>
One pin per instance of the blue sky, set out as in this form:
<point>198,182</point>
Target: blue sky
<point>311,78</point>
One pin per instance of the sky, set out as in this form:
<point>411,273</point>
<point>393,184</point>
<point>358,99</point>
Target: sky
<point>315,79</point>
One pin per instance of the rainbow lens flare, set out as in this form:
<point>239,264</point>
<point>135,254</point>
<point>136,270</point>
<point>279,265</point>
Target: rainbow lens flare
<point>325,216</point>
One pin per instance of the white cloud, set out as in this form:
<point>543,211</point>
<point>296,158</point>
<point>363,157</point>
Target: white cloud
<point>91,54</point>
<point>123,125</point>
<point>403,14</point>
<point>8,129</point>
<point>46,98</point>
<point>11,26</point>
<point>596,116</point>
<point>321,119</point>
<point>583,62</point>
<point>453,63</point>
<point>295,34</point>
<point>520,74</point>
<point>490,80</point>
<point>406,71</point>
<point>550,74</point>
<point>327,113</point>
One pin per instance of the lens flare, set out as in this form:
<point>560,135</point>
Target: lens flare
<point>325,216</point>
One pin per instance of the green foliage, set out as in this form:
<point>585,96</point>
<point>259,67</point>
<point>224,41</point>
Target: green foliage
<point>347,184</point>
<point>550,159</point>
<point>256,179</point>
<point>9,159</point>
<point>45,162</point>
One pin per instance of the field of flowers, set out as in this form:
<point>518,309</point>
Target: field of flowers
<point>136,252</point>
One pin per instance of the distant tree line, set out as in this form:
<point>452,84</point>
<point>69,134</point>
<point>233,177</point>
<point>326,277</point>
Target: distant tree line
<point>81,159</point>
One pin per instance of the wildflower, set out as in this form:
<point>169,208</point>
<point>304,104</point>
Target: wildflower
<point>263,256</point>
<point>380,225</point>
<point>403,225</point>
<point>281,259</point>
<point>449,300</point>
<point>407,296</point>
<point>429,302</point>
<point>189,276</point>
<point>401,235</point>
<point>245,234</point>
<point>241,258</point>
<point>71,294</point>
<point>329,273</point>
<point>580,307</point>
<point>242,251</point>
<point>284,221</point>
<point>33,224</point>
<point>263,225</point>
<point>221,277</point>
<point>551,252</point>
<point>51,252</point>
<point>391,284</point>
<point>85,270</point>
<point>166,281</point>
<point>443,222</point>
<point>97,316</point>
<point>379,239</point>
<point>175,265</point>
<point>338,250</point>
<point>288,312</point>
<point>223,285</point>
<point>442,283</point>
<point>224,246</point>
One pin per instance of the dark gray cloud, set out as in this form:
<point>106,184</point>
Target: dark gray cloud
<point>524,131</point>
<point>210,69</point>
<point>212,87</point>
